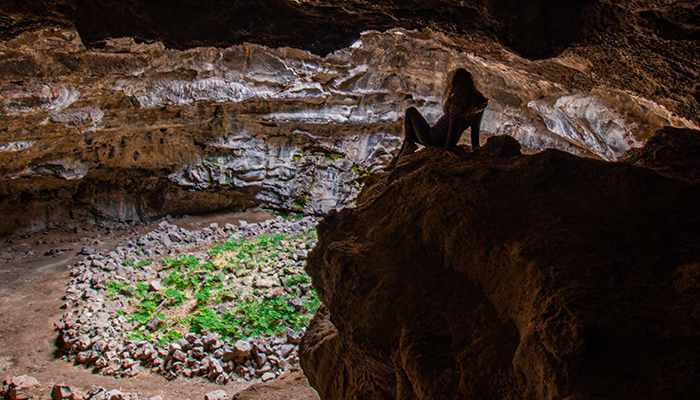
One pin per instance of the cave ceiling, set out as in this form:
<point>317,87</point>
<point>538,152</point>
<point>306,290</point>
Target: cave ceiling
<point>534,29</point>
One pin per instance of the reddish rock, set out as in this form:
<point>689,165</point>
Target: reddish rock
<point>60,392</point>
<point>20,387</point>
<point>504,276</point>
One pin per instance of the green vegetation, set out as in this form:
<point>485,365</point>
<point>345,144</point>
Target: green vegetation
<point>248,287</point>
<point>300,201</point>
<point>332,156</point>
<point>311,151</point>
<point>361,174</point>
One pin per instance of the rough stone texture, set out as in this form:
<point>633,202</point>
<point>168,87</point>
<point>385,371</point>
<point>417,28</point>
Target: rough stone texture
<point>21,387</point>
<point>671,152</point>
<point>541,28</point>
<point>62,392</point>
<point>647,46</point>
<point>134,131</point>
<point>504,276</point>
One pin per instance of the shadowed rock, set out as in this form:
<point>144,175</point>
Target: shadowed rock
<point>509,276</point>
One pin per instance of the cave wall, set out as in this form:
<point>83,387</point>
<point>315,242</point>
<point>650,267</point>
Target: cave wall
<point>647,46</point>
<point>536,29</point>
<point>292,129</point>
<point>278,127</point>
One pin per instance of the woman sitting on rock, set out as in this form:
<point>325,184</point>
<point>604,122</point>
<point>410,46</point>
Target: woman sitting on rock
<point>464,106</point>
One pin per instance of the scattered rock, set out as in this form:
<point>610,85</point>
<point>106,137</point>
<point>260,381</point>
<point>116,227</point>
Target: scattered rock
<point>156,285</point>
<point>264,282</point>
<point>242,349</point>
<point>285,350</point>
<point>217,395</point>
<point>115,394</point>
<point>60,392</point>
<point>95,334</point>
<point>86,251</point>
<point>154,324</point>
<point>20,387</point>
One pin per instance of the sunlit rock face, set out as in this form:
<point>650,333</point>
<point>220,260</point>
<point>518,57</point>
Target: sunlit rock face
<point>280,127</point>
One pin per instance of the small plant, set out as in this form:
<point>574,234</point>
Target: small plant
<point>332,156</point>
<point>300,201</point>
<point>362,175</point>
<point>199,295</point>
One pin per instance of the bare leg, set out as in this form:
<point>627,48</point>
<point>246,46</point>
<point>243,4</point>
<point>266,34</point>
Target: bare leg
<point>416,128</point>
<point>476,127</point>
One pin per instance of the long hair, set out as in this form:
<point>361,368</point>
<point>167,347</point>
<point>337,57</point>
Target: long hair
<point>461,94</point>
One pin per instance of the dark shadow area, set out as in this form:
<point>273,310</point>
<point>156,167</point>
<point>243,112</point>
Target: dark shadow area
<point>535,29</point>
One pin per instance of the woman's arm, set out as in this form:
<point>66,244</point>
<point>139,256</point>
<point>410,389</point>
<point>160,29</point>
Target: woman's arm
<point>455,127</point>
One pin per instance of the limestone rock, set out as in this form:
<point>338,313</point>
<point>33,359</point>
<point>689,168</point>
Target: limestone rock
<point>509,276</point>
<point>115,394</point>
<point>217,395</point>
<point>156,285</point>
<point>267,376</point>
<point>242,349</point>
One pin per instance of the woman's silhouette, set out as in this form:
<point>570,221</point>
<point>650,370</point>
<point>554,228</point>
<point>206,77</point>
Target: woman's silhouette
<point>464,106</point>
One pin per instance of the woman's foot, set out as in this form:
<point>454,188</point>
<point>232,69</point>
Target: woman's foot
<point>406,148</point>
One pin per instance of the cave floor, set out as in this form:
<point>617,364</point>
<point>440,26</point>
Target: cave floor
<point>34,273</point>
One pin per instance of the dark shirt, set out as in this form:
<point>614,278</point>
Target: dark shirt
<point>448,129</point>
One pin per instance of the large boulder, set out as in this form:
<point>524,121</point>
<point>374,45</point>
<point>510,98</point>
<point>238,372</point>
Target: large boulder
<point>506,276</point>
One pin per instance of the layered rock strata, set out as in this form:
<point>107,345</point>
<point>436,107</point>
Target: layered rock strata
<point>134,131</point>
<point>508,276</point>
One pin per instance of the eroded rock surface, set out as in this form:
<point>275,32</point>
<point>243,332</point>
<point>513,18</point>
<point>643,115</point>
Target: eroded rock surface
<point>133,131</point>
<point>506,276</point>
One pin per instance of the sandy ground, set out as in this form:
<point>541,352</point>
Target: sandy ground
<point>33,278</point>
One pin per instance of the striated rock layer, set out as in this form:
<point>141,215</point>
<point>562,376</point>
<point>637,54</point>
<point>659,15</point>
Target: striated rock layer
<point>509,276</point>
<point>133,131</point>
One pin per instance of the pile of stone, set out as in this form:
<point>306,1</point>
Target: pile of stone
<point>95,334</point>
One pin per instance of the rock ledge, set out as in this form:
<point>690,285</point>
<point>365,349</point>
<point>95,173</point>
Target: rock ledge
<point>507,276</point>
